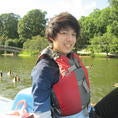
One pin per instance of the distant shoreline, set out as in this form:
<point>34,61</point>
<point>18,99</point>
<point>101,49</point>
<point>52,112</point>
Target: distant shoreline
<point>81,53</point>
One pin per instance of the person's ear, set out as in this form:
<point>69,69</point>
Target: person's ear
<point>51,39</point>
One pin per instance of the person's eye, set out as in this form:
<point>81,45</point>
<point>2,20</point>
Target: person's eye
<point>63,32</point>
<point>74,34</point>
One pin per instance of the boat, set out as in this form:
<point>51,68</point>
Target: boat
<point>5,104</point>
<point>22,101</point>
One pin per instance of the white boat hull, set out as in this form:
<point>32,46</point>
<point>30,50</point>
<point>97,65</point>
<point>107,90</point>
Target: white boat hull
<point>5,104</point>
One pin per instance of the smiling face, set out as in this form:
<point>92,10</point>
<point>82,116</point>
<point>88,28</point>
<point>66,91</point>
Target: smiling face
<point>62,31</point>
<point>64,40</point>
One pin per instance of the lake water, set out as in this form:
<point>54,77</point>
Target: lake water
<point>103,74</point>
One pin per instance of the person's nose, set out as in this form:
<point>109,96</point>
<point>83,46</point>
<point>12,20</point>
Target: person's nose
<point>69,37</point>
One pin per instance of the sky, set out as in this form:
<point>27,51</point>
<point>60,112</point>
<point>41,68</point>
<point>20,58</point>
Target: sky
<point>77,8</point>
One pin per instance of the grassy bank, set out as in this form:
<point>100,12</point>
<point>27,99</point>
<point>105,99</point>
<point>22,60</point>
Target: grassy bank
<point>81,53</point>
<point>87,53</point>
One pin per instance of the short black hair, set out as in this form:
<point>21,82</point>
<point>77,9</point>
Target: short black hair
<point>61,21</point>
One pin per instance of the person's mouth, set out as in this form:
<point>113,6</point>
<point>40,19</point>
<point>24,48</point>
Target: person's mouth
<point>68,45</point>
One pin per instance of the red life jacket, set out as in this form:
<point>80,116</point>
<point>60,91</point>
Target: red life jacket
<point>71,93</point>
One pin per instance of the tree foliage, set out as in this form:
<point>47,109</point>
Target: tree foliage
<point>36,43</point>
<point>106,43</point>
<point>113,3</point>
<point>99,30</point>
<point>8,25</point>
<point>32,24</point>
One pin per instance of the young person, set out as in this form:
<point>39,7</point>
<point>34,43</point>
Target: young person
<point>60,84</point>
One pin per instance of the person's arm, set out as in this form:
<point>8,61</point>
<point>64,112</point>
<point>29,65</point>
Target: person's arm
<point>44,75</point>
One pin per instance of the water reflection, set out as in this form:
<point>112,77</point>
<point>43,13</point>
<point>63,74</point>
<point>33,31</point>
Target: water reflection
<point>103,74</point>
<point>18,66</point>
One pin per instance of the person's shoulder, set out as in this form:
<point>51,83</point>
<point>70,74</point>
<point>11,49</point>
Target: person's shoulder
<point>45,64</point>
<point>47,60</point>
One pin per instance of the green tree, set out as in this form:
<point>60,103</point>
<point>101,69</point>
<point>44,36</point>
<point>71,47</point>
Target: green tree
<point>88,27</point>
<point>12,42</point>
<point>113,28</point>
<point>32,24</point>
<point>8,25</point>
<point>114,45</point>
<point>113,3</point>
<point>103,21</point>
<point>37,43</point>
<point>97,24</point>
<point>107,43</point>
